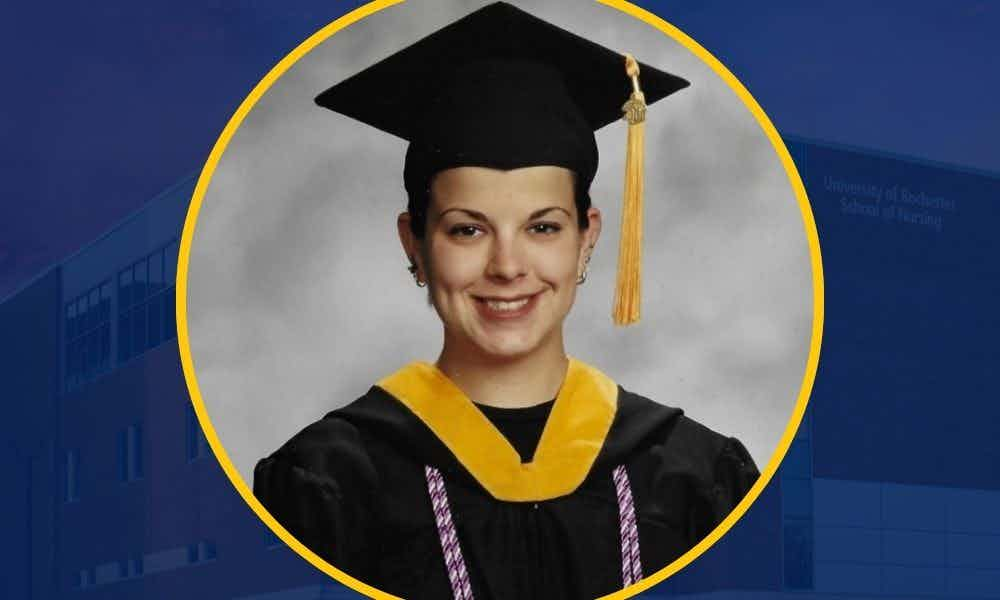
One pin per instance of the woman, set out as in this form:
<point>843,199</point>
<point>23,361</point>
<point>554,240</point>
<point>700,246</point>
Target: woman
<point>505,469</point>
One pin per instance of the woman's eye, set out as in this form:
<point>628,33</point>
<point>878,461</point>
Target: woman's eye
<point>464,231</point>
<point>548,228</point>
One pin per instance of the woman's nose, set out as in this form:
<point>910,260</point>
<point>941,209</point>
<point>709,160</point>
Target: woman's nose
<point>507,260</point>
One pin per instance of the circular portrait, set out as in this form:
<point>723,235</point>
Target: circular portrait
<point>499,301</point>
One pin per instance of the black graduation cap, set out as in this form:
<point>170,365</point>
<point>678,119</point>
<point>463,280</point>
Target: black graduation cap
<point>503,89</point>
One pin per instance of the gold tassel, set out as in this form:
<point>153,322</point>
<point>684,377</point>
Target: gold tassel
<point>628,287</point>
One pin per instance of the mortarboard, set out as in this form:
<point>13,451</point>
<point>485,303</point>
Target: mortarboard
<point>503,89</point>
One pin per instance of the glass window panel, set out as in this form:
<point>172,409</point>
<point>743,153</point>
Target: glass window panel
<point>192,552</point>
<point>208,550</point>
<point>169,314</point>
<point>154,314</point>
<point>81,314</point>
<point>155,272</point>
<point>105,301</point>
<point>139,281</point>
<point>798,555</point>
<point>124,337</point>
<point>105,361</point>
<point>170,263</point>
<point>124,289</point>
<point>70,321</point>
<point>93,308</point>
<point>138,330</point>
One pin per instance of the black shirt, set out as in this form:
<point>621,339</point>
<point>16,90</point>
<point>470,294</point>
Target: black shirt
<point>521,426</point>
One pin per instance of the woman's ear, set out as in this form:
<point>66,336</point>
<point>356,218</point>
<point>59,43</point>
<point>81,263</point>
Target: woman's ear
<point>591,233</point>
<point>411,247</point>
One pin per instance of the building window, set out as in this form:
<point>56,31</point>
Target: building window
<point>797,510</point>
<point>798,554</point>
<point>85,578</point>
<point>130,467</point>
<point>196,444</point>
<point>136,566</point>
<point>72,472</point>
<point>201,552</point>
<point>146,302</point>
<point>130,568</point>
<point>87,335</point>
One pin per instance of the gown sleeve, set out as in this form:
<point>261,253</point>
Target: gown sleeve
<point>321,487</point>
<point>733,474</point>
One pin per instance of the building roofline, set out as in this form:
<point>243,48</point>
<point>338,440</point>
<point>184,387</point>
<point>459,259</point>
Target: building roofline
<point>108,232</point>
<point>926,162</point>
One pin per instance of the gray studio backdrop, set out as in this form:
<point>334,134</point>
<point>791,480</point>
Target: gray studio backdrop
<point>299,298</point>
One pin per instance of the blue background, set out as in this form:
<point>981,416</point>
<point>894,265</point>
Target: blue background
<point>890,489</point>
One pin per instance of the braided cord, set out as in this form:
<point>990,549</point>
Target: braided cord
<point>458,575</point>
<point>631,561</point>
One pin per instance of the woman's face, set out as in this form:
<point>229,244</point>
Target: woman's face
<point>501,254</point>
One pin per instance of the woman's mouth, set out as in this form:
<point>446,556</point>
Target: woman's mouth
<point>505,308</point>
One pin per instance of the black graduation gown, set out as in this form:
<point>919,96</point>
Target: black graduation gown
<point>352,488</point>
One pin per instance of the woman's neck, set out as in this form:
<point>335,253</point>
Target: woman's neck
<point>507,383</point>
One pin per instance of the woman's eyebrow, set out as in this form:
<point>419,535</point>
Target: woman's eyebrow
<point>472,213</point>
<point>544,211</point>
<point>482,217</point>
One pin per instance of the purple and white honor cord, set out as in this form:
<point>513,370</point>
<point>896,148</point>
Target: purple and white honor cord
<point>631,561</point>
<point>458,575</point>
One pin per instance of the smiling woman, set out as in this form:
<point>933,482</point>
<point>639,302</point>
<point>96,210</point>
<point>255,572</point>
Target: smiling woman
<point>503,252</point>
<point>506,469</point>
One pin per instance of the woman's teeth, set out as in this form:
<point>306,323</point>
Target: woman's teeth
<point>503,305</point>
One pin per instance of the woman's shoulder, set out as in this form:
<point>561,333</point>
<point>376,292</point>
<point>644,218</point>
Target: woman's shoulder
<point>335,444</point>
<point>677,439</point>
<point>322,485</point>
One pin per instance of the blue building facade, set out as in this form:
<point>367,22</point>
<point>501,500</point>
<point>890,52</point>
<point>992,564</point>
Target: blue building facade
<point>116,494</point>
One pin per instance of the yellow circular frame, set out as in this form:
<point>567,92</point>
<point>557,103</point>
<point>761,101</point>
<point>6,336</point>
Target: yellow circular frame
<point>319,37</point>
